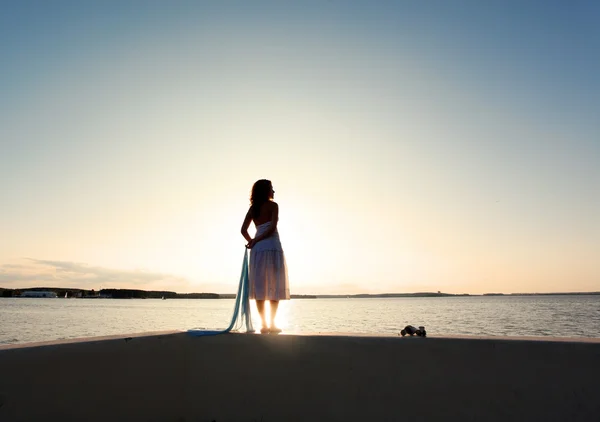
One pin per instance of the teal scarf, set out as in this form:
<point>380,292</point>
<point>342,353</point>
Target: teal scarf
<point>241,311</point>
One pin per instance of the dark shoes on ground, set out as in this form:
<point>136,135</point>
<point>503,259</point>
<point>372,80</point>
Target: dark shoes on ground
<point>411,331</point>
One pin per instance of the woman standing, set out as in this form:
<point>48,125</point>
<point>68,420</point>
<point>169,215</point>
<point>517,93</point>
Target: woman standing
<point>268,271</point>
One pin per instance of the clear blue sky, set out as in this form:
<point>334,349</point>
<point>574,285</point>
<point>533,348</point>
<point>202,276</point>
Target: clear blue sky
<point>413,146</point>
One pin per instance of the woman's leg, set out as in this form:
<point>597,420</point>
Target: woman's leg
<point>260,305</point>
<point>274,304</point>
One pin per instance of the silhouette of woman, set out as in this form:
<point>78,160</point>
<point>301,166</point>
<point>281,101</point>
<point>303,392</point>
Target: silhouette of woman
<point>267,272</point>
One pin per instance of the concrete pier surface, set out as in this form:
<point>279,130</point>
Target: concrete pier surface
<point>174,377</point>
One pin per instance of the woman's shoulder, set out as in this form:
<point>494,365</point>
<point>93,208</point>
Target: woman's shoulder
<point>270,205</point>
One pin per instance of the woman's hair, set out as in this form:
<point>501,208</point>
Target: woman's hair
<point>260,194</point>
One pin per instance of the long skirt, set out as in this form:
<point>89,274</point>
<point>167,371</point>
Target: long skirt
<point>268,271</point>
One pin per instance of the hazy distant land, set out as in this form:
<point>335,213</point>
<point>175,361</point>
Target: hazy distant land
<point>159,294</point>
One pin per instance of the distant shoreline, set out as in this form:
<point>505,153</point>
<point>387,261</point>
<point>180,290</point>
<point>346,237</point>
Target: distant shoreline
<point>425,294</point>
<point>62,292</point>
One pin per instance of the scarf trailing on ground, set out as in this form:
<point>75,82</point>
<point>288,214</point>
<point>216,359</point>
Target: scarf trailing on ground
<point>241,310</point>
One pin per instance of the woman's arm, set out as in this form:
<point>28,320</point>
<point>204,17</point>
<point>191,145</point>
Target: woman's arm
<point>246,224</point>
<point>273,226</point>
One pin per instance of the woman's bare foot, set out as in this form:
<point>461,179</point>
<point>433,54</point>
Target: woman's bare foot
<point>265,330</point>
<point>275,330</point>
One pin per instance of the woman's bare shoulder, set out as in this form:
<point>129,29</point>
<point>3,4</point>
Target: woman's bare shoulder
<point>270,205</point>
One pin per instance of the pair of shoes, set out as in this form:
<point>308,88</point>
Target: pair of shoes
<point>411,331</point>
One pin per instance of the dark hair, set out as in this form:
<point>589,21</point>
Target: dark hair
<point>260,194</point>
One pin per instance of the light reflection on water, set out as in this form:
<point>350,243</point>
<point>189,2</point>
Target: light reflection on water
<point>24,320</point>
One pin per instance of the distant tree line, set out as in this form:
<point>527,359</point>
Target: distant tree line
<point>126,293</point>
<point>155,294</point>
<point>60,292</point>
<point>115,293</point>
<point>159,294</point>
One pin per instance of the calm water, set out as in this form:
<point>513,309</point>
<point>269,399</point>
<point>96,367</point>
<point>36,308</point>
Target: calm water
<point>25,320</point>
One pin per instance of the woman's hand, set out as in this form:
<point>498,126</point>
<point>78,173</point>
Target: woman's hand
<point>251,244</point>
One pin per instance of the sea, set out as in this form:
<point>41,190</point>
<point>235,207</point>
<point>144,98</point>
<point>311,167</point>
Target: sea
<point>26,320</point>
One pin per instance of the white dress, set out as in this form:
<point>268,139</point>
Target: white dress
<point>268,271</point>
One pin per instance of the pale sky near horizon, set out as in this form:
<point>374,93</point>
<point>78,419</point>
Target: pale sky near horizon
<point>413,146</point>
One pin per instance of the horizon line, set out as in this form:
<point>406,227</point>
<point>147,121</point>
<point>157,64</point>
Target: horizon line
<point>319,294</point>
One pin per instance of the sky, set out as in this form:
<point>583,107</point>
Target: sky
<point>413,146</point>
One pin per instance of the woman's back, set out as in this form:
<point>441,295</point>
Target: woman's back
<point>266,213</point>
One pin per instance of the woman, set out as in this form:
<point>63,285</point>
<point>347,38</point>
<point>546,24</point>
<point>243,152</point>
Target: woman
<point>267,272</point>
